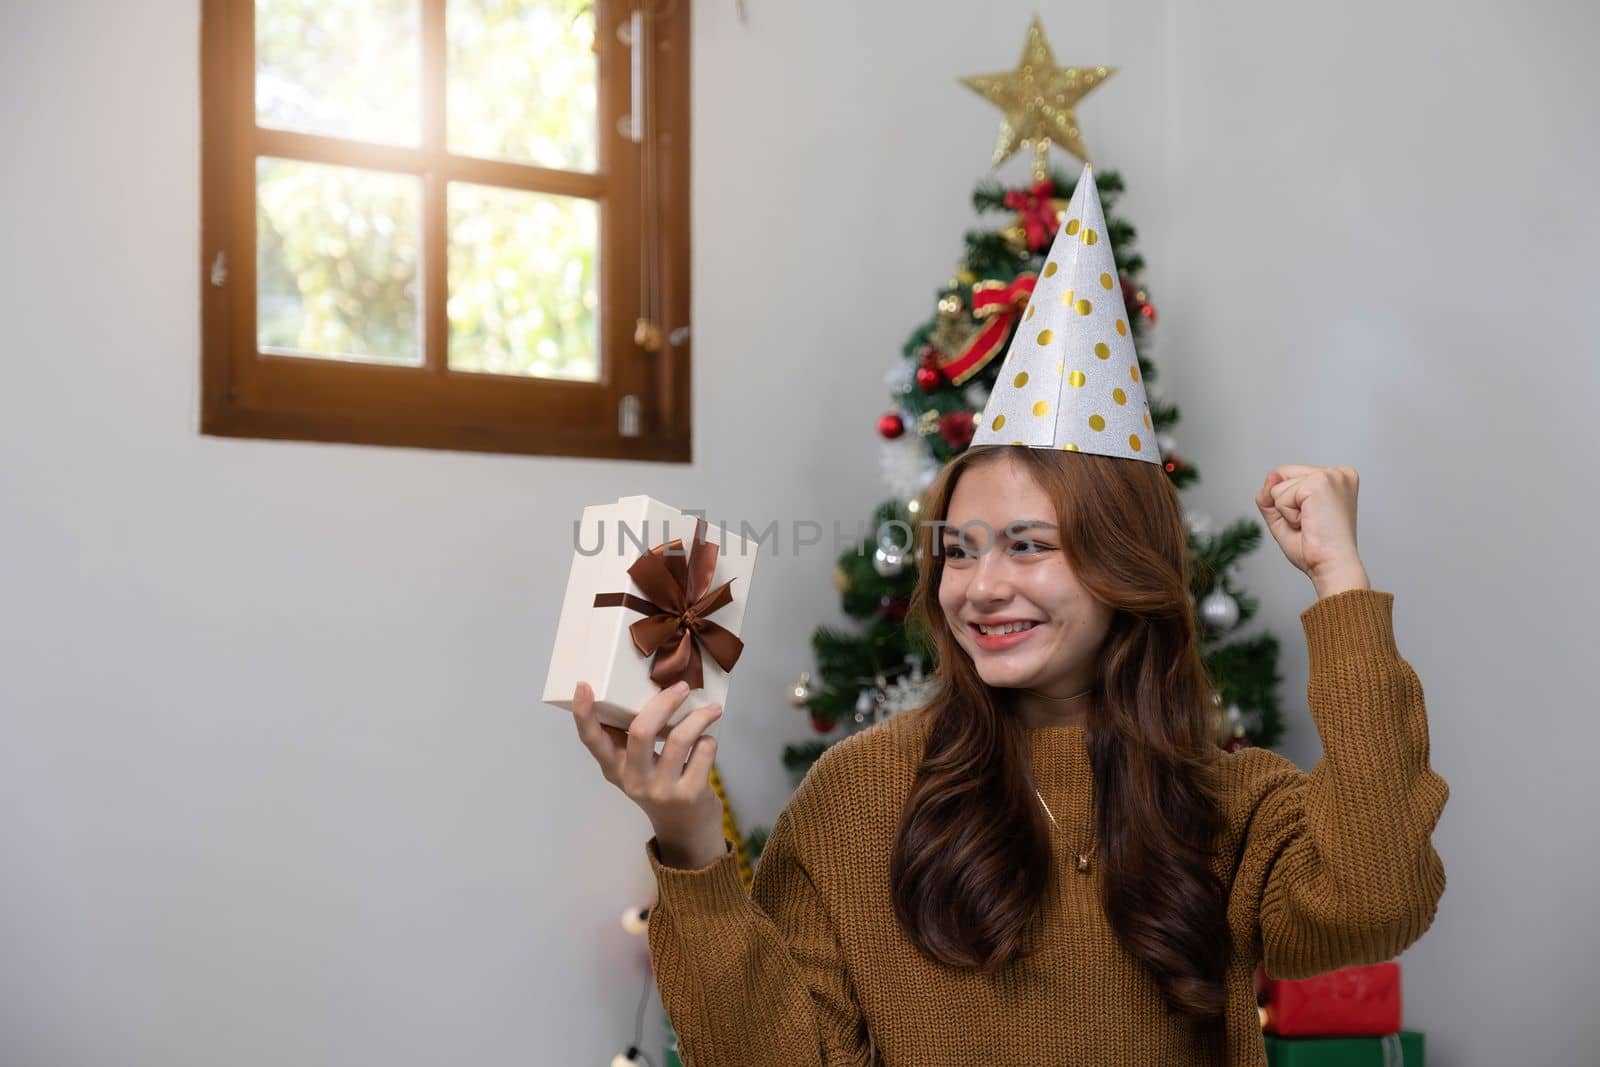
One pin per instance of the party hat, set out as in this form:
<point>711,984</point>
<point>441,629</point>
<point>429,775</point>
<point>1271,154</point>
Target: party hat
<point>1070,379</point>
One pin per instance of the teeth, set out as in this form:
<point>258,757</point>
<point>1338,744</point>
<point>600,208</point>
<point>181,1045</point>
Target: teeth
<point>1008,628</point>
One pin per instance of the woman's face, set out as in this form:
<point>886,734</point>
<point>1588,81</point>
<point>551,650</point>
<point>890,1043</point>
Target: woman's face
<point>993,574</point>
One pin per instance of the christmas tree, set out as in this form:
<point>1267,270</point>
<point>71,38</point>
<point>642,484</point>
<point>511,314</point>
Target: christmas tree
<point>940,384</point>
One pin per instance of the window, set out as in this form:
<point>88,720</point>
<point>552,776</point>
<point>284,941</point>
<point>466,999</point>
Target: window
<point>447,224</point>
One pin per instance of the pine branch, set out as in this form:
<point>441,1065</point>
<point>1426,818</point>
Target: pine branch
<point>1164,413</point>
<point>841,655</point>
<point>798,758</point>
<point>990,256</point>
<point>1183,477</point>
<point>1245,672</point>
<point>755,843</point>
<point>835,700</point>
<point>1239,538</point>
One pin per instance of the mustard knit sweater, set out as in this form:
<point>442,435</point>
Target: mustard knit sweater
<point>809,969</point>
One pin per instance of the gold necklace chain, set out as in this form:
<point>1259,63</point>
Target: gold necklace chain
<point>1044,696</point>
<point>1083,857</point>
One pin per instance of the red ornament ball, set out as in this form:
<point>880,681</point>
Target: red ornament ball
<point>1149,312</point>
<point>822,726</point>
<point>956,428</point>
<point>890,425</point>
<point>1234,744</point>
<point>929,379</point>
<point>892,608</point>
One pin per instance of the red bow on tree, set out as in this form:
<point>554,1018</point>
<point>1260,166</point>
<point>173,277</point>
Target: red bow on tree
<point>1038,214</point>
<point>999,304</point>
<point>675,624</point>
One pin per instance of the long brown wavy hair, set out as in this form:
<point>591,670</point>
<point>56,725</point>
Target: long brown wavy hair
<point>970,897</point>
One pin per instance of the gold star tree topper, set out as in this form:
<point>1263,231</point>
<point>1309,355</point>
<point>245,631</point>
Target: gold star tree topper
<point>1037,99</point>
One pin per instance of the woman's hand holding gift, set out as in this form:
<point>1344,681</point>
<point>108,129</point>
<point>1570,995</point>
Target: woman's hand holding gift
<point>674,788</point>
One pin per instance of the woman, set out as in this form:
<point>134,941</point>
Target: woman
<point>1052,862</point>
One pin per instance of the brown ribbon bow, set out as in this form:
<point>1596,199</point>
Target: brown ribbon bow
<point>675,624</point>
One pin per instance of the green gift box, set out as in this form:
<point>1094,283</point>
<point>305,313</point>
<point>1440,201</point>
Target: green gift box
<point>1393,1050</point>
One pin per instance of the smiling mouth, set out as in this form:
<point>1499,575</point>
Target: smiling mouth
<point>1003,631</point>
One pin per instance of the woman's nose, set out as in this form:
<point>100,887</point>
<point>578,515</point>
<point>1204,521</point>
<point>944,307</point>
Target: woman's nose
<point>991,579</point>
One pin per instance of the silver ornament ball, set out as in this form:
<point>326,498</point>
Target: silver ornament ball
<point>888,562</point>
<point>1219,611</point>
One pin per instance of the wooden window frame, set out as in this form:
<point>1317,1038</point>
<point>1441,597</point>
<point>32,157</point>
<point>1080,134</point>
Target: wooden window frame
<point>245,393</point>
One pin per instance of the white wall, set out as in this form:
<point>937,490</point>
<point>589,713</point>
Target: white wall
<point>311,810</point>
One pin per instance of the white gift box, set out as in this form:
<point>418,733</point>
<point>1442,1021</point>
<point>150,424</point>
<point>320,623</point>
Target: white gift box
<point>601,644</point>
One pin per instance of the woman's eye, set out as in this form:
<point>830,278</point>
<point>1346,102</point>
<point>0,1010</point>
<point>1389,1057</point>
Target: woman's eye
<point>1025,548</point>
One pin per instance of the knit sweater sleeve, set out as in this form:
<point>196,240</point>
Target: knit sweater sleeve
<point>754,977</point>
<point>1339,861</point>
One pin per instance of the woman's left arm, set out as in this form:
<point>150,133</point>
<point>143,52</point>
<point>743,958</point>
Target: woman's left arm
<point>1343,856</point>
<point>1348,872</point>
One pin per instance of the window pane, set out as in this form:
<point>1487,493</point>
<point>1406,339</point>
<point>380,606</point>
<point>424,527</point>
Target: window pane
<point>522,81</point>
<point>336,262</point>
<point>341,68</point>
<point>522,283</point>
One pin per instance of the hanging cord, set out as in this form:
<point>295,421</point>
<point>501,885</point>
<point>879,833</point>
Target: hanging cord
<point>638,1022</point>
<point>647,187</point>
<point>648,332</point>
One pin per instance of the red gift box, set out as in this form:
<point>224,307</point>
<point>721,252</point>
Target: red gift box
<point>1350,1002</point>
